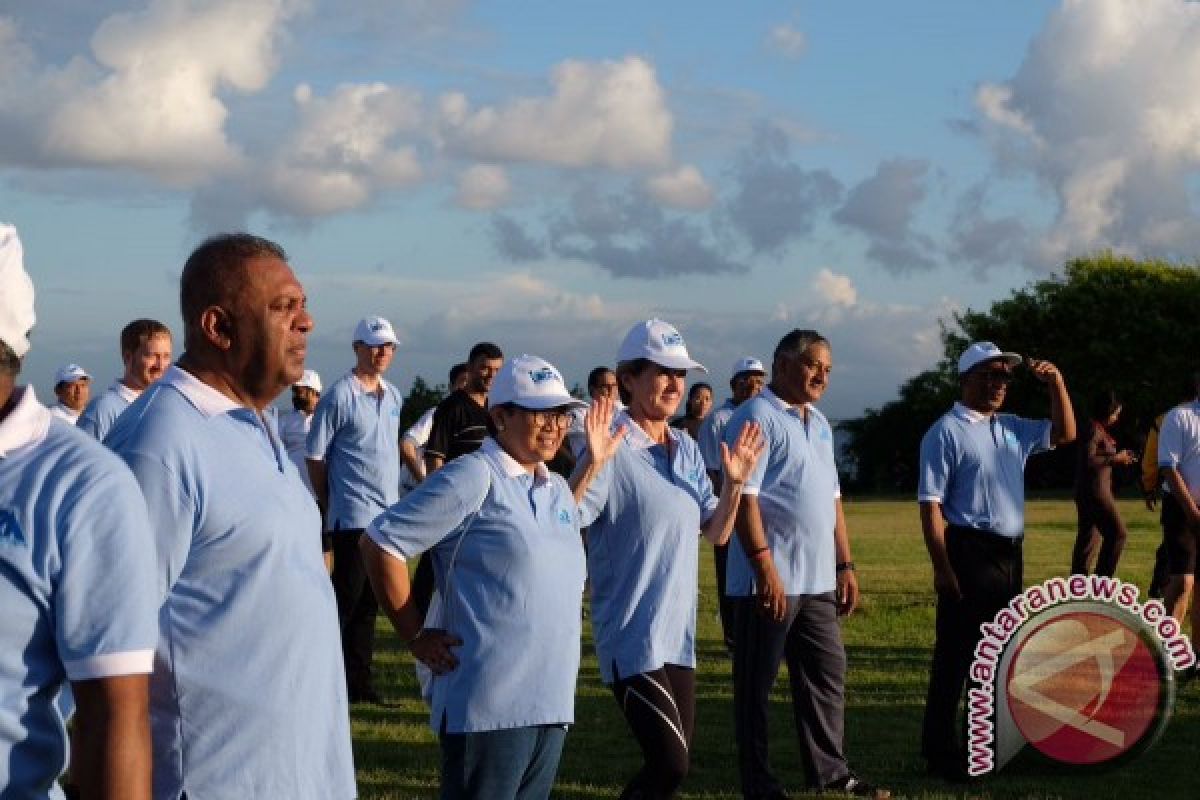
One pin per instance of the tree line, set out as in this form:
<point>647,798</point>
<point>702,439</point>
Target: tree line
<point>1109,322</point>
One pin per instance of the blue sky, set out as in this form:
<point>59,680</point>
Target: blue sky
<point>544,174</point>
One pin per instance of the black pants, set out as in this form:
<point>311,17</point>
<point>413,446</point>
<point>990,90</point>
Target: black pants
<point>989,571</point>
<point>810,638</point>
<point>660,707</point>
<point>720,559</point>
<point>1100,536</point>
<point>356,607</point>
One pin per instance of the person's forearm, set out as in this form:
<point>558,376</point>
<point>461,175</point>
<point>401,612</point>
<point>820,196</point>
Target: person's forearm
<point>389,579</point>
<point>432,463</point>
<point>841,536</point>
<point>318,476</point>
<point>749,527</point>
<point>720,525</point>
<point>933,526</point>
<point>1062,414</point>
<point>112,735</point>
<point>412,459</point>
<point>582,476</point>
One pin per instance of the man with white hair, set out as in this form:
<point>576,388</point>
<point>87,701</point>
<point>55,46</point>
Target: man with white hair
<point>72,387</point>
<point>76,588</point>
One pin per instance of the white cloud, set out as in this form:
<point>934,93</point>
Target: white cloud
<point>482,187</point>
<point>787,40</point>
<point>683,188</point>
<point>835,289</point>
<point>1104,112</point>
<point>149,98</point>
<point>608,114</point>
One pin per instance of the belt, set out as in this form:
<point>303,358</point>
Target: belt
<point>996,541</point>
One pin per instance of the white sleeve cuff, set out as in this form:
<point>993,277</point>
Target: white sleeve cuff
<point>929,498</point>
<point>311,457</point>
<point>378,538</point>
<point>108,665</point>
<point>752,491</point>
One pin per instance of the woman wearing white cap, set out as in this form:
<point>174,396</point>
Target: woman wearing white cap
<point>503,534</point>
<point>650,503</point>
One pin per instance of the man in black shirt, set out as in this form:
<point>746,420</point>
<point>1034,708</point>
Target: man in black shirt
<point>460,423</point>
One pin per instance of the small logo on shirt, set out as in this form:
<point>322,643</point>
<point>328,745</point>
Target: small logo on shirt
<point>10,532</point>
<point>564,517</point>
<point>542,375</point>
<point>672,340</point>
<point>395,412</point>
<point>694,475</point>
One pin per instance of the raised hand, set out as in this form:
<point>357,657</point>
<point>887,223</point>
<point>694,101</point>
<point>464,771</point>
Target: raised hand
<point>602,441</point>
<point>1044,371</point>
<point>739,462</point>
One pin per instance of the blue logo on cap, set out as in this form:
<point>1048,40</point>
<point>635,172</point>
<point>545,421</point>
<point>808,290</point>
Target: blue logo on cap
<point>564,517</point>
<point>10,532</point>
<point>542,375</point>
<point>376,327</point>
<point>672,339</point>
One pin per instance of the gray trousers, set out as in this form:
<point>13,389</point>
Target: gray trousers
<point>810,638</point>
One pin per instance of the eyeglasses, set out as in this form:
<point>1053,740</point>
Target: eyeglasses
<point>999,376</point>
<point>540,418</point>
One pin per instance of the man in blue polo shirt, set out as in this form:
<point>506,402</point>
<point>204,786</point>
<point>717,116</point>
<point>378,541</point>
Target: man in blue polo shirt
<point>247,698</point>
<point>146,353</point>
<point>792,575</point>
<point>972,498</point>
<point>749,377</point>
<point>77,592</point>
<point>354,461</point>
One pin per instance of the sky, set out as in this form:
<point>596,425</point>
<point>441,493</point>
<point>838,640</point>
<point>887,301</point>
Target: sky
<point>545,174</point>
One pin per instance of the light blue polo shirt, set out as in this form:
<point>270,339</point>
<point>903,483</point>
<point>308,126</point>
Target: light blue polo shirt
<point>509,566</point>
<point>974,466</point>
<point>712,433</point>
<point>357,435</point>
<point>248,697</point>
<point>796,483</point>
<point>102,412</point>
<point>1179,444</point>
<point>77,595</point>
<point>643,550</point>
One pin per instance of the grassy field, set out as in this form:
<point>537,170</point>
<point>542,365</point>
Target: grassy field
<point>888,642</point>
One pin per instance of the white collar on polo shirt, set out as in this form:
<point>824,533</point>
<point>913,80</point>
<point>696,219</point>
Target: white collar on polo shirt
<point>127,394</point>
<point>509,465</point>
<point>782,405</point>
<point>969,415</point>
<point>207,400</point>
<point>26,424</point>
<point>635,436</point>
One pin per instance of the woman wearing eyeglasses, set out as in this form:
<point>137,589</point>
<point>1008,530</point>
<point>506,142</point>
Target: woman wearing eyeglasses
<point>649,504</point>
<point>503,534</point>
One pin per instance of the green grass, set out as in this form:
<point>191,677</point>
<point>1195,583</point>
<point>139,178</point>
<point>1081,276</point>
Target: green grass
<point>888,642</point>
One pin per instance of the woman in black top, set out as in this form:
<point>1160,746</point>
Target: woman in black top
<point>1101,533</point>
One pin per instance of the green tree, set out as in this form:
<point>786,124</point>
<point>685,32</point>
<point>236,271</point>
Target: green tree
<point>1109,322</point>
<point>420,398</point>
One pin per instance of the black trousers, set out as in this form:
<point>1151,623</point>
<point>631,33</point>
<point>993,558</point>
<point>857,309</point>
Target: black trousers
<point>810,639</point>
<point>725,604</point>
<point>356,607</point>
<point>989,569</point>
<point>660,707</point>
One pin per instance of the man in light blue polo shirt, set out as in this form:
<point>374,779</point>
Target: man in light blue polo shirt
<point>146,353</point>
<point>353,457</point>
<point>247,697</point>
<point>972,498</point>
<point>749,377</point>
<point>77,588</point>
<point>792,574</point>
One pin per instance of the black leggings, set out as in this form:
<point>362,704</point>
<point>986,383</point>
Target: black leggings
<point>660,707</point>
<point>1100,535</point>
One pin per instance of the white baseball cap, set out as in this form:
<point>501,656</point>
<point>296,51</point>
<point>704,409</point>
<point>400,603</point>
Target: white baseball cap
<point>310,380</point>
<point>16,293</point>
<point>374,331</point>
<point>70,373</point>
<point>748,364</point>
<point>980,352</point>
<point>531,382</point>
<point>659,342</point>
